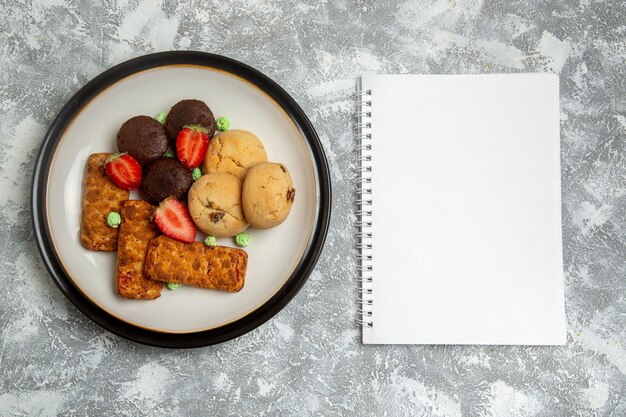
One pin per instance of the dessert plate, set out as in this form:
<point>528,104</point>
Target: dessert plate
<point>280,259</point>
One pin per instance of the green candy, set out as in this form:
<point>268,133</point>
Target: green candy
<point>161,117</point>
<point>169,154</point>
<point>223,123</point>
<point>196,173</point>
<point>114,219</point>
<point>243,239</point>
<point>210,241</point>
<point>172,285</point>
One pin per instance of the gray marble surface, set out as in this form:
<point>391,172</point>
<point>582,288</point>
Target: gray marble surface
<point>309,360</point>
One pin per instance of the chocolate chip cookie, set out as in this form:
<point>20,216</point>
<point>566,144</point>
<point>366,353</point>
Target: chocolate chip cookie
<point>215,204</point>
<point>267,195</point>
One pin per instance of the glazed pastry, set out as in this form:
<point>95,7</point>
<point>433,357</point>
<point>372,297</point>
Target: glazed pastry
<point>268,195</point>
<point>188,112</point>
<point>136,232</point>
<point>143,138</point>
<point>163,178</point>
<point>233,151</point>
<point>101,198</point>
<point>214,267</point>
<point>214,203</point>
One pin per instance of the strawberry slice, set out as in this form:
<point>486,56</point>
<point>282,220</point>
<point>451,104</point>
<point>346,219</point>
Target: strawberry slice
<point>173,220</point>
<point>124,170</point>
<point>192,145</point>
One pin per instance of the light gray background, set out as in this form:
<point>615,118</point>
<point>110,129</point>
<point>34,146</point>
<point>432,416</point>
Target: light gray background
<point>308,360</point>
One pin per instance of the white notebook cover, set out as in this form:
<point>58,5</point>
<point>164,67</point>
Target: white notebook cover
<point>466,210</point>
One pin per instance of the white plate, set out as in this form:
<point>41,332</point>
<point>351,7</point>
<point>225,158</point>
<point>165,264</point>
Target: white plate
<point>275,255</point>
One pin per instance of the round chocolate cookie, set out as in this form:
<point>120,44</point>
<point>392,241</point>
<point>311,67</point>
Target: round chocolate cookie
<point>163,178</point>
<point>143,138</point>
<point>188,112</point>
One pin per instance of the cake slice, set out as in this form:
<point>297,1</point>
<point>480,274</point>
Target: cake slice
<point>101,198</point>
<point>136,232</point>
<point>218,267</point>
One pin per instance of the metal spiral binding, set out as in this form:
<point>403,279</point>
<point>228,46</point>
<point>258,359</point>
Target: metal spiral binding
<point>363,196</point>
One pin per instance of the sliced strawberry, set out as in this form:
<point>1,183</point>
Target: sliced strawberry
<point>124,170</point>
<point>174,220</point>
<point>192,144</point>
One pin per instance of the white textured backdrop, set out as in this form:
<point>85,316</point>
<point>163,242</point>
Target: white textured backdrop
<point>308,360</point>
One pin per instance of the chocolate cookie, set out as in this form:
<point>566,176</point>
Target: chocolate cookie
<point>143,138</point>
<point>188,112</point>
<point>163,178</point>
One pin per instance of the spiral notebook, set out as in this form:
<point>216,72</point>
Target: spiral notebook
<point>459,210</point>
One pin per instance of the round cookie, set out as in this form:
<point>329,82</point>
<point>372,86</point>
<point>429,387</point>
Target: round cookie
<point>233,151</point>
<point>267,195</point>
<point>143,138</point>
<point>188,112</point>
<point>163,178</point>
<point>214,203</point>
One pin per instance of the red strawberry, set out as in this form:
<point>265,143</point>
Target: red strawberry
<point>192,144</point>
<point>174,220</point>
<point>124,170</point>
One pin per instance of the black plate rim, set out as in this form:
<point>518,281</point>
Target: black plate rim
<point>207,337</point>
